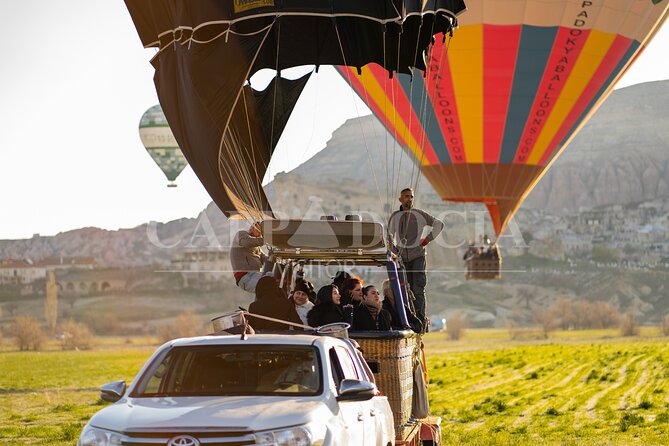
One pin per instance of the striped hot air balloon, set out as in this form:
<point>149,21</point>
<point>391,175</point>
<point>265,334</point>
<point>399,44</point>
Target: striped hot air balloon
<point>502,99</point>
<point>159,141</point>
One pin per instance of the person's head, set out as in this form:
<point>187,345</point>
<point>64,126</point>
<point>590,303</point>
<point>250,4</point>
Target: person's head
<point>406,198</point>
<point>340,278</point>
<point>328,294</point>
<point>254,230</point>
<point>388,292</point>
<point>371,296</point>
<point>354,287</point>
<point>267,287</point>
<point>301,292</point>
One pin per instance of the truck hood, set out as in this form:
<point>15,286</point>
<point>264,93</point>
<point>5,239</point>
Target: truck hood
<point>238,412</point>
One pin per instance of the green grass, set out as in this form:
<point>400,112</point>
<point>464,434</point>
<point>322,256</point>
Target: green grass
<point>575,388</point>
<point>47,397</point>
<point>590,389</point>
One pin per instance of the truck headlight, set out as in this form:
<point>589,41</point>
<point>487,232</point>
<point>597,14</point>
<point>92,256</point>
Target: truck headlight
<point>93,436</point>
<point>297,436</point>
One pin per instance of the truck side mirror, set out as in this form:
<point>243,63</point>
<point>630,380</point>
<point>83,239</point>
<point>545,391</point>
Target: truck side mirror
<point>112,392</point>
<point>356,390</point>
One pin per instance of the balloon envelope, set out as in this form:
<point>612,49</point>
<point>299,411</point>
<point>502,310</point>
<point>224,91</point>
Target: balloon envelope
<point>207,50</point>
<point>159,141</point>
<point>507,93</point>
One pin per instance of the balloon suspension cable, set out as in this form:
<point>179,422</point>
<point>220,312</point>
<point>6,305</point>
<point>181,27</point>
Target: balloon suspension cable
<point>357,111</point>
<point>424,116</point>
<point>244,187</point>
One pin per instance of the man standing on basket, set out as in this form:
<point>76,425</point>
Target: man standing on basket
<point>405,228</point>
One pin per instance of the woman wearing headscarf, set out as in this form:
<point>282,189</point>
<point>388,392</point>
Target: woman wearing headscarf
<point>327,309</point>
<point>370,315</point>
<point>271,301</point>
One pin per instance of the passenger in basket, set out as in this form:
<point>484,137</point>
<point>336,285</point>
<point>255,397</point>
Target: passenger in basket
<point>339,279</point>
<point>271,301</point>
<point>370,315</point>
<point>300,298</point>
<point>247,258</point>
<point>352,292</point>
<point>326,310</point>
<point>389,305</point>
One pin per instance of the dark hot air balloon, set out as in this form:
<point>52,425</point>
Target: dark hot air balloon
<point>209,49</point>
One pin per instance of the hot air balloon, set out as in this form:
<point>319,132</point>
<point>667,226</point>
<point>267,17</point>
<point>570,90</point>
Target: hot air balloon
<point>208,50</point>
<point>159,141</point>
<point>504,96</point>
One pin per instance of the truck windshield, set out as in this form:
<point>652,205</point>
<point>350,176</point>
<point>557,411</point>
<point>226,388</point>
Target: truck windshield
<point>234,370</point>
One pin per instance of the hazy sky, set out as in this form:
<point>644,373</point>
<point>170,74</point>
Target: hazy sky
<point>74,82</point>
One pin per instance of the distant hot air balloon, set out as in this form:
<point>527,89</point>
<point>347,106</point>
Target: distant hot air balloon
<point>160,143</point>
<point>505,96</point>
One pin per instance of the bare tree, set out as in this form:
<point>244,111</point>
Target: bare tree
<point>547,320</point>
<point>563,312</point>
<point>629,325</point>
<point>76,336</point>
<point>664,325</point>
<point>455,327</point>
<point>604,315</point>
<point>27,333</point>
<point>186,324</point>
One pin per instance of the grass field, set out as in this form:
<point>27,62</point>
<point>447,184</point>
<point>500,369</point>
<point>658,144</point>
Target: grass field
<point>588,388</point>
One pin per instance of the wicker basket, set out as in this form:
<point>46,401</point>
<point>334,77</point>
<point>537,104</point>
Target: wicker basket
<point>389,355</point>
<point>484,268</point>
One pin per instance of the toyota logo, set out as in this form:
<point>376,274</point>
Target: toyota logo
<point>183,440</point>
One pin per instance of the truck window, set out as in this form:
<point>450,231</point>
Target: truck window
<point>218,370</point>
<point>346,362</point>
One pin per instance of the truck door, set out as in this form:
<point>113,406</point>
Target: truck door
<point>365,414</point>
<point>351,412</point>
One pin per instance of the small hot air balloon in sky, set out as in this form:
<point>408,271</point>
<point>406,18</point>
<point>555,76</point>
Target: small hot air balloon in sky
<point>159,141</point>
<point>502,98</point>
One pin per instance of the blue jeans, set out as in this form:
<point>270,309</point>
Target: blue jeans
<point>417,278</point>
<point>249,281</point>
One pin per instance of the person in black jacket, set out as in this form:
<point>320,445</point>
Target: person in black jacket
<point>327,310</point>
<point>389,305</point>
<point>271,301</point>
<point>351,292</point>
<point>370,315</point>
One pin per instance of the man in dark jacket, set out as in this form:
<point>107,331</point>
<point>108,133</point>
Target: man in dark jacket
<point>405,229</point>
<point>271,301</point>
<point>247,258</point>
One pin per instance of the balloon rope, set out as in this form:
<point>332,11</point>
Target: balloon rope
<point>423,116</point>
<point>227,123</point>
<point>364,137</point>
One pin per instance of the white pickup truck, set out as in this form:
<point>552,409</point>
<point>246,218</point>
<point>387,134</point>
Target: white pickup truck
<point>272,389</point>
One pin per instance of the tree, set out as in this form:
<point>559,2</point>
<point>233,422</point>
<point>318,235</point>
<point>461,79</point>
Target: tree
<point>187,324</point>
<point>629,325</point>
<point>547,320</point>
<point>76,336</point>
<point>664,325</point>
<point>563,312</point>
<point>27,333</point>
<point>455,327</point>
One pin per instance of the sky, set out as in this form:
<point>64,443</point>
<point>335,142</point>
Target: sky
<point>74,82</point>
